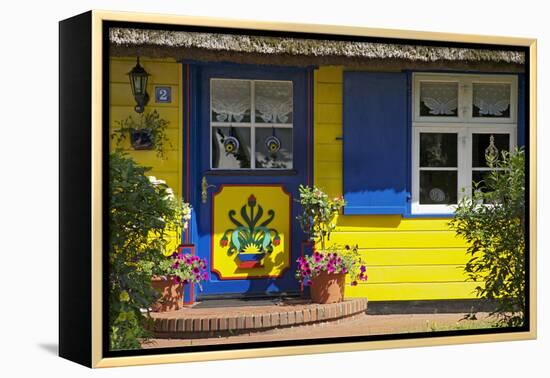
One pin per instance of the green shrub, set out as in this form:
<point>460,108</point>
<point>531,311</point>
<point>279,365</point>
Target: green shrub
<point>141,211</point>
<point>492,221</point>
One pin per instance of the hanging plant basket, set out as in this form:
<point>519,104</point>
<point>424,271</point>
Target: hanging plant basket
<point>142,139</point>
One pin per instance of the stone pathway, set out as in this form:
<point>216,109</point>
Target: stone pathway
<point>358,325</point>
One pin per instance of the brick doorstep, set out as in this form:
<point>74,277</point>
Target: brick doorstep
<point>190,323</point>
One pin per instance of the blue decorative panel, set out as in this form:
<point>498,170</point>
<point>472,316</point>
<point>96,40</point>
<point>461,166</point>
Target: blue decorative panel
<point>376,150</point>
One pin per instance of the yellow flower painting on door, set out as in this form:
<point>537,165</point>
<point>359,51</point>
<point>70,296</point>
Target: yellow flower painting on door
<point>251,231</point>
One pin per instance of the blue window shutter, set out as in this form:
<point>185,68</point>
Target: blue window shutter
<point>521,111</point>
<point>376,152</point>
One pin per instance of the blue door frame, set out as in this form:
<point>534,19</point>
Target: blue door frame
<point>196,165</point>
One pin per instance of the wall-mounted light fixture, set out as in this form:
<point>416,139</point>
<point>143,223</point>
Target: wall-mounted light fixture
<point>138,80</point>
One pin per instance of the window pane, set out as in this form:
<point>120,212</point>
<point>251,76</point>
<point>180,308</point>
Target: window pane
<point>274,148</point>
<point>230,100</point>
<point>491,100</point>
<point>438,187</point>
<point>273,101</point>
<point>479,178</point>
<point>438,99</point>
<point>438,149</point>
<point>482,144</point>
<point>230,147</point>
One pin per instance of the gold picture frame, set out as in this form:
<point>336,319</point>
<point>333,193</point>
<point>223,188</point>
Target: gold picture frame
<point>94,22</point>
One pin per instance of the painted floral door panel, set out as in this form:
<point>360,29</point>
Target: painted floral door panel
<point>253,129</point>
<point>248,241</point>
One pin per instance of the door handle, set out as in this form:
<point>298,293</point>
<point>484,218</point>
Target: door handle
<point>204,189</point>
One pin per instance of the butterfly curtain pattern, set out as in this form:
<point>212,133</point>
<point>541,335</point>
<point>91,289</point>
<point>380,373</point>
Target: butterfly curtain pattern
<point>230,100</point>
<point>491,99</point>
<point>273,101</point>
<point>441,99</point>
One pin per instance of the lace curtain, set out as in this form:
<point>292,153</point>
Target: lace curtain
<point>273,101</point>
<point>491,99</point>
<point>230,100</point>
<point>441,99</point>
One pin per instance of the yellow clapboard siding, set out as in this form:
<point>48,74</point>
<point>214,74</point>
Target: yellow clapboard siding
<point>414,273</point>
<point>420,256</point>
<point>333,187</point>
<point>118,113</point>
<point>404,239</point>
<point>329,74</point>
<point>162,72</point>
<point>329,169</point>
<point>362,223</point>
<point>329,113</point>
<point>407,258</point>
<point>150,159</point>
<point>413,291</point>
<point>327,133</point>
<point>330,152</point>
<point>171,134</point>
<point>121,95</point>
<point>329,93</point>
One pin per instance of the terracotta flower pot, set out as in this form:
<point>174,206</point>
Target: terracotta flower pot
<point>328,288</point>
<point>171,294</point>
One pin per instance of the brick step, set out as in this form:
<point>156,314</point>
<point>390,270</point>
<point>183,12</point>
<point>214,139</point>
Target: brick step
<point>198,323</point>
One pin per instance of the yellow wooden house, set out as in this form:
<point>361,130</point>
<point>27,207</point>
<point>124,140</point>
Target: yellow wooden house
<point>398,129</point>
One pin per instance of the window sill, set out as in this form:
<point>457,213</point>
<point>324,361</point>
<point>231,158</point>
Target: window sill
<point>429,215</point>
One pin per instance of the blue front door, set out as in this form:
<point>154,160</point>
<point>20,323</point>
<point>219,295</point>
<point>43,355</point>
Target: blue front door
<point>252,154</point>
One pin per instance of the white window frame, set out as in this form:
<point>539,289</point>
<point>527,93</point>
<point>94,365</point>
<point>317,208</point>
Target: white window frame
<point>465,96</point>
<point>464,127</point>
<point>252,125</point>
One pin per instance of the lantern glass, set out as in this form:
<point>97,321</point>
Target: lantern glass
<point>138,80</point>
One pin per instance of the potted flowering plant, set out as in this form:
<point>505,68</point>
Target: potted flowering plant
<point>325,270</point>
<point>180,269</point>
<point>176,269</point>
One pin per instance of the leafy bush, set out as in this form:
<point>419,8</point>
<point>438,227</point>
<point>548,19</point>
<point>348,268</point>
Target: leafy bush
<point>141,211</point>
<point>318,213</point>
<point>492,220</point>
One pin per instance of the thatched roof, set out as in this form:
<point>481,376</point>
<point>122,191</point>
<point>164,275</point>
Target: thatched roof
<point>273,46</point>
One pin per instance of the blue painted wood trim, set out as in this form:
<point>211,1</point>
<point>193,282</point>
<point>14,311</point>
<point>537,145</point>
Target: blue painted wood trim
<point>408,212</point>
<point>375,210</point>
<point>311,128</point>
<point>202,232</point>
<point>186,142</point>
<point>375,147</point>
<point>521,116</point>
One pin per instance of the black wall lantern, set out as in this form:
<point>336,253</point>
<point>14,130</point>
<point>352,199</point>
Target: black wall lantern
<point>138,81</point>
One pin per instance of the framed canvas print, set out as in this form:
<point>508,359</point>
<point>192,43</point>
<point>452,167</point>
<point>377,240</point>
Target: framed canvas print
<point>234,189</point>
